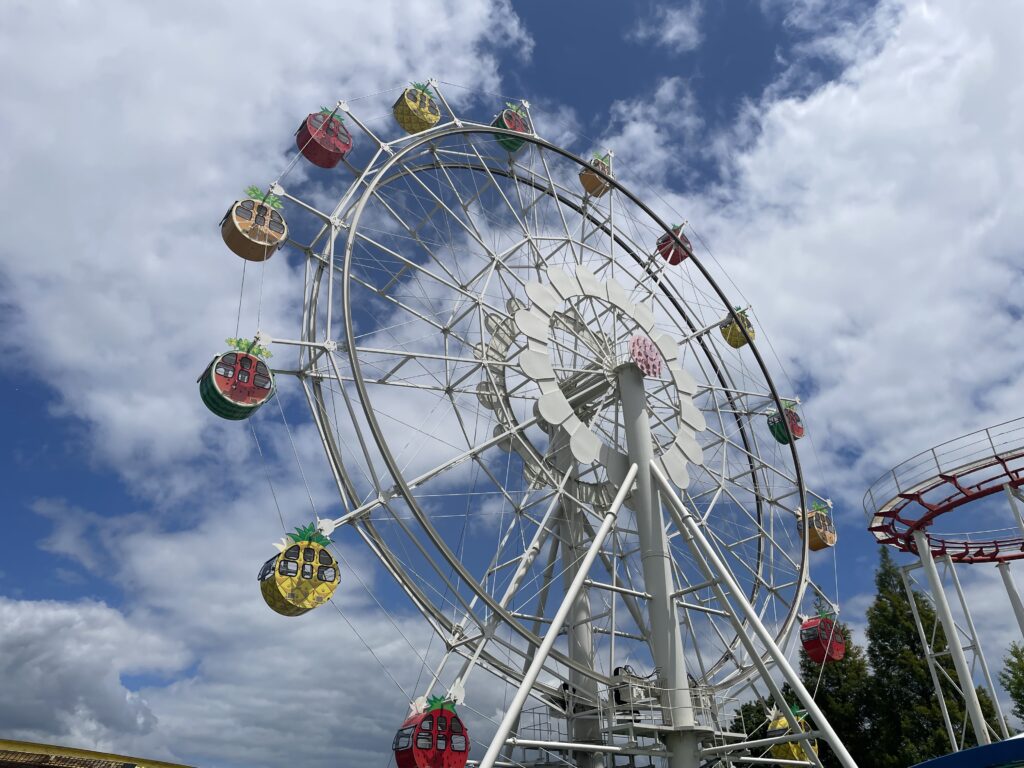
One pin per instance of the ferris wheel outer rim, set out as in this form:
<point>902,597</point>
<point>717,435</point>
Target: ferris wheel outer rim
<point>466,128</point>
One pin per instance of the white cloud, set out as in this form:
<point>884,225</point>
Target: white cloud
<point>676,27</point>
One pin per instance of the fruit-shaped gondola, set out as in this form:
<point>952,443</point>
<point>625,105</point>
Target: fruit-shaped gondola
<point>823,639</point>
<point>434,738</point>
<point>790,750</point>
<point>253,227</point>
<point>733,333</point>
<point>593,184</point>
<point>512,118</point>
<point>303,576</point>
<point>416,109</point>
<point>821,530</point>
<point>238,382</point>
<point>670,250</point>
<point>323,138</point>
<point>785,425</point>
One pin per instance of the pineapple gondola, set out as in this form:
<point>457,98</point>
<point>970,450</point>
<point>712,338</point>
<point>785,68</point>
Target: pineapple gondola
<point>786,426</point>
<point>323,138</point>
<point>733,333</point>
<point>303,576</point>
<point>593,184</point>
<point>238,382</point>
<point>790,750</point>
<point>513,118</point>
<point>434,738</point>
<point>416,109</point>
<point>670,250</point>
<point>253,228</point>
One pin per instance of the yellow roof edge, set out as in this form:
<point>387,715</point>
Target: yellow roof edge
<point>53,749</point>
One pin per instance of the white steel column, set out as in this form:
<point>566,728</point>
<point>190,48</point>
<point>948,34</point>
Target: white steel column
<point>721,572</point>
<point>956,650</point>
<point>512,714</point>
<point>1012,593</point>
<point>665,638</point>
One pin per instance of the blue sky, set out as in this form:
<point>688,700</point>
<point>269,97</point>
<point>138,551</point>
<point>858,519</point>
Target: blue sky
<point>856,168</point>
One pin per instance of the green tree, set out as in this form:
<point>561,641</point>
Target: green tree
<point>844,692</point>
<point>1012,677</point>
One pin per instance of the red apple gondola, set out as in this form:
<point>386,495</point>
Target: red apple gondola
<point>236,383</point>
<point>323,138</point>
<point>786,426</point>
<point>670,250</point>
<point>514,118</point>
<point>435,738</point>
<point>823,639</point>
<point>253,228</point>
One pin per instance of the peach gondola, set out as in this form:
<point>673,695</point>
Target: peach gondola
<point>435,738</point>
<point>593,184</point>
<point>323,138</point>
<point>416,109</point>
<point>786,427</point>
<point>670,250</point>
<point>821,530</point>
<point>237,383</point>
<point>302,576</point>
<point>513,118</point>
<point>733,333</point>
<point>253,228</point>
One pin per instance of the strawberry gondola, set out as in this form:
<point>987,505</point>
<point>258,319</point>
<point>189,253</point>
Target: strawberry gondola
<point>822,639</point>
<point>323,138</point>
<point>670,250</point>
<point>434,738</point>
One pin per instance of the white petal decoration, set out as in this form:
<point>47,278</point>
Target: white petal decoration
<point>537,346</point>
<point>533,325</point>
<point>684,382</point>
<point>543,297</point>
<point>589,283</point>
<point>536,365</point>
<point>615,462</point>
<point>668,346</point>
<point>643,316</point>
<point>617,295</point>
<point>674,464</point>
<point>564,285</point>
<point>554,408</point>
<point>686,443</point>
<point>691,415</point>
<point>585,445</point>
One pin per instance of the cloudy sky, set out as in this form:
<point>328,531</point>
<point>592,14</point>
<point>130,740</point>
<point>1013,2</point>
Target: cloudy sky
<point>856,168</point>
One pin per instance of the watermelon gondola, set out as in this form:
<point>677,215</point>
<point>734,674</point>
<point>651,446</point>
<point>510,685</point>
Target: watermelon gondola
<point>303,576</point>
<point>253,228</point>
<point>323,138</point>
<point>670,250</point>
<point>786,426</point>
<point>435,738</point>
<point>236,384</point>
<point>416,109</point>
<point>513,118</point>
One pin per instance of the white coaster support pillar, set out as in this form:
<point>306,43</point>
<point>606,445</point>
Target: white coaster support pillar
<point>949,628</point>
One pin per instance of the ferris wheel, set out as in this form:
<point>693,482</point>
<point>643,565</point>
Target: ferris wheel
<point>547,421</point>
